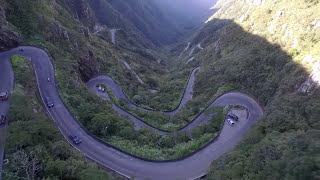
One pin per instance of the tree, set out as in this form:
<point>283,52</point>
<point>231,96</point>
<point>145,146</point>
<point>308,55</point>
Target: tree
<point>26,165</point>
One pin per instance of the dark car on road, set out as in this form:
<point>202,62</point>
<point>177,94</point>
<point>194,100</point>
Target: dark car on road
<point>4,96</point>
<point>75,139</point>
<point>3,119</point>
<point>233,117</point>
<point>49,102</point>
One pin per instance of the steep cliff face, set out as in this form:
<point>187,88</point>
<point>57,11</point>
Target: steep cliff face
<point>81,10</point>
<point>68,29</point>
<point>293,26</point>
<point>8,39</point>
<point>148,18</point>
<point>107,15</point>
<point>89,66</point>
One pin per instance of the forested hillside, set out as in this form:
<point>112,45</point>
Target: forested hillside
<point>271,49</point>
<point>69,31</point>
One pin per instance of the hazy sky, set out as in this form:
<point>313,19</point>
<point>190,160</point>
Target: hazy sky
<point>190,9</point>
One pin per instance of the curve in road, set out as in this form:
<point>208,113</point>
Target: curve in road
<point>120,94</point>
<point>192,166</point>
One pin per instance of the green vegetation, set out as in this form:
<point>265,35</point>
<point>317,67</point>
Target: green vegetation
<point>145,143</point>
<point>266,49</point>
<point>91,111</point>
<point>35,147</point>
<point>104,123</point>
<point>265,53</point>
<point>63,37</point>
<point>166,122</point>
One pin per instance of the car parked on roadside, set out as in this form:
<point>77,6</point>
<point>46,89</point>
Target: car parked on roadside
<point>233,116</point>
<point>75,139</point>
<point>49,102</point>
<point>3,119</point>
<point>230,121</point>
<point>4,96</point>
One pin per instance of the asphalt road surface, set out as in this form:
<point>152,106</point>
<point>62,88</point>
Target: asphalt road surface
<point>6,77</point>
<point>119,94</point>
<point>113,35</point>
<point>190,167</point>
<point>185,49</point>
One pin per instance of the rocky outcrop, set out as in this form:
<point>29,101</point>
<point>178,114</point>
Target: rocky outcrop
<point>316,23</point>
<point>82,11</point>
<point>86,33</point>
<point>59,31</point>
<point>53,5</point>
<point>2,13</point>
<point>217,49</point>
<point>8,39</point>
<point>312,83</point>
<point>89,67</point>
<point>258,2</point>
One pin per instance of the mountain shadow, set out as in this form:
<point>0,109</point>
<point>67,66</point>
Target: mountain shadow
<point>283,143</point>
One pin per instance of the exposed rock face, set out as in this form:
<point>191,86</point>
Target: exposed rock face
<point>86,32</point>
<point>84,13</point>
<point>258,2</point>
<point>89,67</point>
<point>2,13</point>
<point>217,50</point>
<point>59,31</point>
<point>8,39</point>
<point>316,23</point>
<point>53,5</point>
<point>312,83</point>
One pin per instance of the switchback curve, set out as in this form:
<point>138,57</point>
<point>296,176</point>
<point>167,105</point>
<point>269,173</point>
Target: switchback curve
<point>189,167</point>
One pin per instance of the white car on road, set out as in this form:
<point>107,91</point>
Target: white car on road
<point>231,122</point>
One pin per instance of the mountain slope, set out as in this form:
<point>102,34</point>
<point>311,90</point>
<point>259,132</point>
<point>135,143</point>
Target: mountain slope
<point>148,18</point>
<point>269,48</point>
<point>284,75</point>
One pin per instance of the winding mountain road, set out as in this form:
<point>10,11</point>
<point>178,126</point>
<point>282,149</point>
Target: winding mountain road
<point>113,35</point>
<point>189,167</point>
<point>6,74</point>
<point>185,49</point>
<point>119,94</point>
